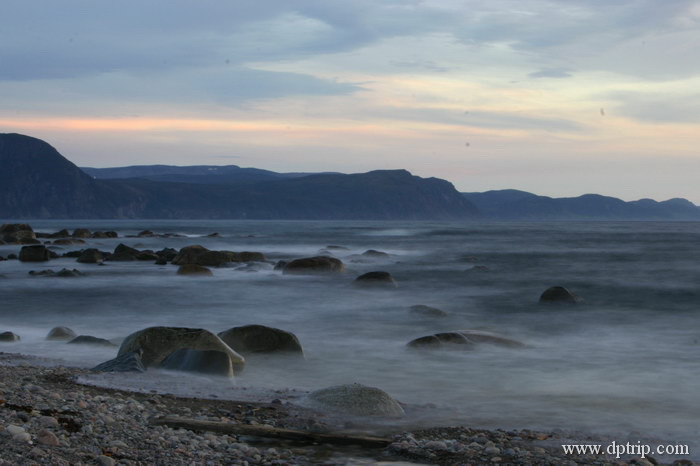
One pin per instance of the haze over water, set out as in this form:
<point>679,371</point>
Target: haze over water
<point>625,360</point>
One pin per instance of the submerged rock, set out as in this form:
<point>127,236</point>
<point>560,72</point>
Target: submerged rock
<point>314,265</point>
<point>559,294</point>
<point>376,280</point>
<point>375,253</point>
<point>9,337</point>
<point>357,400</point>
<point>61,333</point>
<point>158,343</point>
<point>428,311</point>
<point>90,340</point>
<point>127,362</point>
<point>192,269</point>
<point>259,339</point>
<point>199,255</point>
<point>65,273</point>
<point>462,339</point>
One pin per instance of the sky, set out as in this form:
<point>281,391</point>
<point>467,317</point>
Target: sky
<point>558,98</point>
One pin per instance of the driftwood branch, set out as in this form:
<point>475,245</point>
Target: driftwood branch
<point>270,432</point>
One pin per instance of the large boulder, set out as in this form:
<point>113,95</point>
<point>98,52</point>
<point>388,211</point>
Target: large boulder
<point>314,265</point>
<point>463,339</point>
<point>189,255</point>
<point>34,253</point>
<point>356,400</point>
<point>90,256</point>
<point>559,294</point>
<point>18,233</point>
<point>9,337</point>
<point>158,343</point>
<point>127,362</point>
<point>61,333</point>
<point>193,269</point>
<point>376,280</point>
<point>124,253</point>
<point>259,339</point>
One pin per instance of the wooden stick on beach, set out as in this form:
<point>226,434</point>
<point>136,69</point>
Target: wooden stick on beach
<point>270,432</point>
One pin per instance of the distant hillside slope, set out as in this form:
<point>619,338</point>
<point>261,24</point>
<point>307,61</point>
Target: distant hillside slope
<point>510,204</point>
<point>38,182</point>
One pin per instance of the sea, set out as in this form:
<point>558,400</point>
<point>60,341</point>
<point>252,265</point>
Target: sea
<point>626,361</point>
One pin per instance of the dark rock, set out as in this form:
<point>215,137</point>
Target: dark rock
<point>124,253</point>
<point>213,235</point>
<point>2,258</point>
<point>204,362</point>
<point>202,256</point>
<point>259,339</point>
<point>374,253</point>
<point>127,362</point>
<point>105,234</point>
<point>559,294</point>
<point>67,241</point>
<point>61,333</point>
<point>42,273</point>
<point>60,234</point>
<point>147,256</point>
<point>463,339</point>
<point>167,254</point>
<point>357,400</point>
<point>81,233</point>
<point>193,269</point>
<point>157,343</point>
<point>34,254</point>
<point>335,247</point>
<point>189,255</point>
<point>248,256</point>
<point>20,233</point>
<point>377,280</point>
<point>90,256</point>
<point>479,268</point>
<point>69,273</point>
<point>145,234</point>
<point>90,340</point>
<point>314,265</point>
<point>427,311</point>
<point>161,262</point>
<point>12,257</point>
<point>9,337</point>
<point>215,258</point>
<point>73,254</point>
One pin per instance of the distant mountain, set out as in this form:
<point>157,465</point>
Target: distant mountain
<point>510,204</point>
<point>38,182</point>
<point>199,174</point>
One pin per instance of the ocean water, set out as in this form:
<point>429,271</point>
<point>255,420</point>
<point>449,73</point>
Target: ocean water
<point>625,361</point>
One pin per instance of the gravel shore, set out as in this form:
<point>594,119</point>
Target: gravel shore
<point>47,417</point>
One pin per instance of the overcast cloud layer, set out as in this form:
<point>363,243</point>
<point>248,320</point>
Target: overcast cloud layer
<point>555,97</point>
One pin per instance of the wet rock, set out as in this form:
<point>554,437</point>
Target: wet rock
<point>559,294</point>
<point>334,247</point>
<point>259,339</point>
<point>428,311</point>
<point>105,234</point>
<point>376,280</point>
<point>64,273</point>
<point>9,337</point>
<point>126,362</point>
<point>193,269</point>
<point>357,400</point>
<point>12,257</point>
<point>157,343</point>
<point>19,233</point>
<point>213,235</point>
<point>124,253</point>
<point>166,254</point>
<point>147,256</point>
<point>35,253</point>
<point>203,362</point>
<point>81,233</point>
<point>314,265</point>
<point>60,234</point>
<point>61,333</point>
<point>280,265</point>
<point>145,234</point>
<point>68,242</point>
<point>90,340</point>
<point>90,256</point>
<point>200,255</point>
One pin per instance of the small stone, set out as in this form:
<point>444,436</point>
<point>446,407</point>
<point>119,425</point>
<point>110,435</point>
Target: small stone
<point>48,438</point>
<point>23,437</point>
<point>105,461</point>
<point>15,430</point>
<point>48,421</point>
<point>492,451</point>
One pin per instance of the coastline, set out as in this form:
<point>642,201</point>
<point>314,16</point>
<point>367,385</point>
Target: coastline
<point>48,416</point>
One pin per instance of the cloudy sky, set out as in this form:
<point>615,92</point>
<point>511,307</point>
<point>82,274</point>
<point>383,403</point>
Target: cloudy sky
<point>555,97</point>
